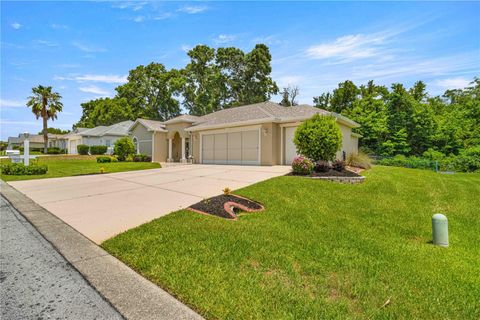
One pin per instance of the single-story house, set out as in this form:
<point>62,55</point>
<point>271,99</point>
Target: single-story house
<point>256,134</point>
<point>36,141</point>
<point>98,136</point>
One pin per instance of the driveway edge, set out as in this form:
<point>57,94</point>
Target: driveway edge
<point>128,292</point>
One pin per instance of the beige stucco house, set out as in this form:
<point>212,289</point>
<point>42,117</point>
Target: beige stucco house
<point>257,134</point>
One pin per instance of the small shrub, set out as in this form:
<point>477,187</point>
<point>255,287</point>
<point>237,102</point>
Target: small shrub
<point>18,169</point>
<point>318,138</point>
<point>360,160</point>
<point>338,165</point>
<point>227,191</point>
<point>98,150</point>
<point>104,159</point>
<point>82,149</point>
<point>142,158</point>
<point>114,159</point>
<point>102,170</point>
<point>123,148</point>
<point>322,166</point>
<point>302,165</point>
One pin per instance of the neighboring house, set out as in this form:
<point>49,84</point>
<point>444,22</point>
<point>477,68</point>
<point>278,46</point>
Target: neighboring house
<point>98,136</point>
<point>37,142</point>
<point>256,134</point>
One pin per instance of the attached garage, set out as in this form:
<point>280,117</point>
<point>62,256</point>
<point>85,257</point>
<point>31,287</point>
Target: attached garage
<point>242,147</point>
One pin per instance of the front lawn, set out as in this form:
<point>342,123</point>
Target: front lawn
<point>322,250</point>
<point>64,166</point>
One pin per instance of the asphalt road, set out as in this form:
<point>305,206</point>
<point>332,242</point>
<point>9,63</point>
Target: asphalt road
<point>36,282</point>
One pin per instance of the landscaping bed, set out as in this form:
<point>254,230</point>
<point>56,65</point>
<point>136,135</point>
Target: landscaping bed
<point>329,173</point>
<point>225,206</point>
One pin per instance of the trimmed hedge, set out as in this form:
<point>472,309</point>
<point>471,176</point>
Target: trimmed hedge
<point>98,150</point>
<point>19,169</point>
<point>142,158</point>
<point>55,150</point>
<point>82,149</point>
<point>104,159</point>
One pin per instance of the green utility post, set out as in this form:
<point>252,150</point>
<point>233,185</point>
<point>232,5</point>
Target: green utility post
<point>440,230</point>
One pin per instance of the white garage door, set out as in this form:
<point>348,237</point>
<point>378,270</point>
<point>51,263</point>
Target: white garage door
<point>73,146</point>
<point>290,148</point>
<point>231,148</point>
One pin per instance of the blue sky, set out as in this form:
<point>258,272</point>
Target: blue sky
<point>85,49</point>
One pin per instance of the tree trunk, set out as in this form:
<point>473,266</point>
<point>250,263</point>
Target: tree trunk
<point>45,134</point>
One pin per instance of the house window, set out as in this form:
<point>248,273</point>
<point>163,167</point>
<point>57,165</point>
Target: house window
<point>135,142</point>
<point>108,143</point>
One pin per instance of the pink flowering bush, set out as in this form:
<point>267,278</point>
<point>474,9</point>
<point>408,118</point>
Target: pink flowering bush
<point>302,165</point>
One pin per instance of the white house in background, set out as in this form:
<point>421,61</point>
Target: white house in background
<point>37,142</point>
<point>98,136</point>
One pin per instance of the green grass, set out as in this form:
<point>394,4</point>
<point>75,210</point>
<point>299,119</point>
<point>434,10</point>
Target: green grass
<point>64,166</point>
<point>322,250</point>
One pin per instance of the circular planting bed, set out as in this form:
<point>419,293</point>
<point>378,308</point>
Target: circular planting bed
<point>225,206</point>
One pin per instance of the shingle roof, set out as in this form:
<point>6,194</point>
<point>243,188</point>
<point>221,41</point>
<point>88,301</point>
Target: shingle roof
<point>183,118</point>
<point>118,129</point>
<point>264,111</point>
<point>35,138</point>
<point>151,125</point>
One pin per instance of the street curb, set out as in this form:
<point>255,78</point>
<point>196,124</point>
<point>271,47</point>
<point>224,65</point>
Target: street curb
<point>129,293</point>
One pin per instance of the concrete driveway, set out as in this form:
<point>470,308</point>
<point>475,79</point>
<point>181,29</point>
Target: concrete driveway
<point>101,206</point>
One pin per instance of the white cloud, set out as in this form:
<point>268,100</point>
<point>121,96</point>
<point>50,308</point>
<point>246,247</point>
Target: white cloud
<point>95,90</point>
<point>95,78</point>
<point>224,38</point>
<point>163,16</point>
<point>186,47</point>
<point>288,80</point>
<point>16,25</point>
<point>133,5</point>
<point>349,47</point>
<point>7,103</point>
<point>193,9</point>
<point>45,43</point>
<point>270,40</point>
<point>58,26</point>
<point>87,48</point>
<point>138,18</point>
<point>452,83</point>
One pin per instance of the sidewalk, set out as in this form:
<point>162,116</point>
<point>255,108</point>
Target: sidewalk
<point>37,282</point>
<point>133,296</point>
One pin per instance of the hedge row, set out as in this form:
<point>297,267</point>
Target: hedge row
<point>19,169</point>
<point>95,150</point>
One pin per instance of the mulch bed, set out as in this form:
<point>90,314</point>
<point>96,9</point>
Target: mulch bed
<point>330,173</point>
<point>224,206</point>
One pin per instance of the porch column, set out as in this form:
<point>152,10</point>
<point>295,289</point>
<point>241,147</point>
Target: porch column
<point>183,151</point>
<point>170,141</point>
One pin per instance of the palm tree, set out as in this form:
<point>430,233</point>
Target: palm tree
<point>45,104</point>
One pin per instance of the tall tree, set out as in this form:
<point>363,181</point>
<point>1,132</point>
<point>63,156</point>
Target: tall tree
<point>45,104</point>
<point>151,92</point>
<point>226,77</point>
<point>342,98</point>
<point>105,112</point>
<point>258,84</point>
<point>55,131</point>
<point>202,90</point>
<point>289,96</point>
